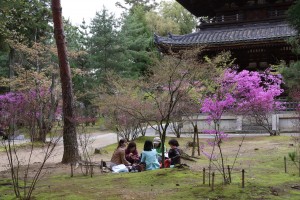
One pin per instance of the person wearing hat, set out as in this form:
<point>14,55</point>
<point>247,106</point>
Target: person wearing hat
<point>157,145</point>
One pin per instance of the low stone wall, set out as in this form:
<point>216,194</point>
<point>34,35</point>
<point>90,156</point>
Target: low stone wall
<point>286,121</point>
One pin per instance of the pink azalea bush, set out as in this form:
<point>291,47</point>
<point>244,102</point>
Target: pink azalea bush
<point>11,106</point>
<point>27,108</point>
<point>245,93</point>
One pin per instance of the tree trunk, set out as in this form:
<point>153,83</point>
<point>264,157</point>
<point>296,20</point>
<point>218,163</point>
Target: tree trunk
<point>197,138</point>
<point>44,128</point>
<point>69,131</point>
<point>11,63</point>
<point>176,128</point>
<point>163,140</point>
<point>194,141</point>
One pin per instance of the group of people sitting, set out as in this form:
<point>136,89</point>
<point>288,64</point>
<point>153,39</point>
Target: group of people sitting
<point>149,159</point>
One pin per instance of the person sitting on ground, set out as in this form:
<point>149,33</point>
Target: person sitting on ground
<point>174,153</point>
<point>149,156</point>
<point>158,147</point>
<point>131,153</point>
<point>118,156</point>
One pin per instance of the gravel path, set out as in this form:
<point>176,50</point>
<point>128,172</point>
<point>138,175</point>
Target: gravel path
<point>99,140</point>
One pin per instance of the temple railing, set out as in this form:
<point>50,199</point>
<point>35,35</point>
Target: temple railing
<point>276,13</point>
<point>240,18</point>
<point>228,18</point>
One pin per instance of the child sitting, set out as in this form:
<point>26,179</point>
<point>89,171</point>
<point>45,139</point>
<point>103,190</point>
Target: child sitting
<point>173,154</point>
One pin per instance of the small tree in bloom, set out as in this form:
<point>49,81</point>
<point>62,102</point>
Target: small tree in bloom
<point>215,106</point>
<point>255,95</point>
<point>31,109</point>
<point>247,93</point>
<point>11,108</point>
<point>38,90</point>
<point>22,109</point>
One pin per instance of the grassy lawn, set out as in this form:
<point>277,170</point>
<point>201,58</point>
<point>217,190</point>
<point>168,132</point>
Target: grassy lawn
<point>261,157</point>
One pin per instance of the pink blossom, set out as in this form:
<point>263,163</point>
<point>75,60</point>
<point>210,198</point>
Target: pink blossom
<point>242,93</point>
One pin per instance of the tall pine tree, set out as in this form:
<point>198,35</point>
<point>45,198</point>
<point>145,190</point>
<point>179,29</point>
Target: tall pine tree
<point>137,40</point>
<point>104,47</point>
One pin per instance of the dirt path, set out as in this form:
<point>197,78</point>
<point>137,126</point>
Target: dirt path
<point>98,140</point>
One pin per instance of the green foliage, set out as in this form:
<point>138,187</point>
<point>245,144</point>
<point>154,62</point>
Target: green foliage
<point>78,46</point>
<point>104,43</point>
<point>3,64</point>
<point>294,42</point>
<point>146,4</point>
<point>128,49</point>
<point>160,25</point>
<point>172,10</point>
<point>291,72</point>
<point>294,15</point>
<point>291,75</point>
<point>100,53</point>
<point>74,37</point>
<point>22,22</point>
<point>137,42</point>
<point>171,17</point>
<point>292,156</point>
<point>25,20</point>
<point>214,67</point>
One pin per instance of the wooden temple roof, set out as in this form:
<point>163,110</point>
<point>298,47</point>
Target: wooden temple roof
<point>242,34</point>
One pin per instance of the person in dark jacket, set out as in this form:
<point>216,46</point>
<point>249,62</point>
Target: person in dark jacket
<point>174,152</point>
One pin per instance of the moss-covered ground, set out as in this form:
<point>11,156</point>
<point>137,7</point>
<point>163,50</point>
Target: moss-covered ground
<point>260,157</point>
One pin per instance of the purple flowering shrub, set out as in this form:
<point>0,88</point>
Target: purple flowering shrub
<point>246,93</point>
<point>30,109</point>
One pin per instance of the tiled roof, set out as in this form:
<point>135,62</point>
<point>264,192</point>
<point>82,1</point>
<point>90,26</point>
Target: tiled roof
<point>262,32</point>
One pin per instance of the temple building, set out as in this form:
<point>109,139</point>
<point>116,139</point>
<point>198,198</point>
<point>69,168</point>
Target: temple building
<point>255,31</point>
<point>256,34</point>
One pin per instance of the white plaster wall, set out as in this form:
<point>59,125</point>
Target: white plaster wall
<point>288,122</point>
<point>284,122</point>
<point>228,123</point>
